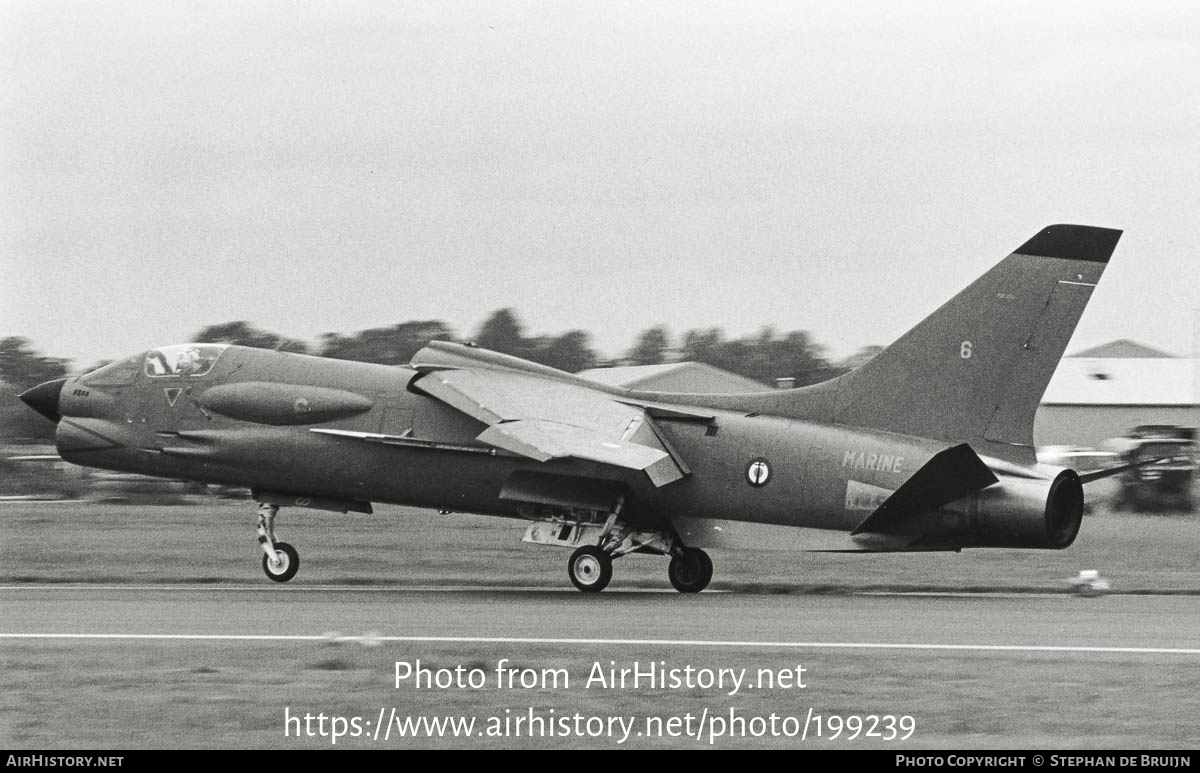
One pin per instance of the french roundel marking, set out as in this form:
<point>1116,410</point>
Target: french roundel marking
<point>758,472</point>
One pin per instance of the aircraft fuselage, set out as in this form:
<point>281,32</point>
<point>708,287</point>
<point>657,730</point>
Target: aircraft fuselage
<point>290,427</point>
<point>753,468</point>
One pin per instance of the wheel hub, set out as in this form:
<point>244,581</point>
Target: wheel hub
<point>587,568</point>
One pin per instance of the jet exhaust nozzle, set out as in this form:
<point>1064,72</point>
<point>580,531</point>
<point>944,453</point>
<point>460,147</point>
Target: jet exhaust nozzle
<point>1014,513</point>
<point>43,398</point>
<point>1021,513</point>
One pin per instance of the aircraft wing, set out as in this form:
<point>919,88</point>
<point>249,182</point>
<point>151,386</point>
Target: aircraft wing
<point>545,418</point>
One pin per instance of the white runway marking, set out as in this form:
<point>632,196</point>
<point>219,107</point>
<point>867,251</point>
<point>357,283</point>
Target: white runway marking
<point>375,639</point>
<point>327,588</point>
<point>1069,596</point>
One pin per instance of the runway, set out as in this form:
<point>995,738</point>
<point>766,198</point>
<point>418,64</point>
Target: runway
<point>1132,623</point>
<point>142,628</point>
<point>192,666</point>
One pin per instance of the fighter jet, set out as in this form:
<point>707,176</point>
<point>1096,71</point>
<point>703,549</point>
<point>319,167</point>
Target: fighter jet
<point>927,447</point>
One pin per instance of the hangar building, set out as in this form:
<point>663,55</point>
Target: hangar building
<point>1101,393</point>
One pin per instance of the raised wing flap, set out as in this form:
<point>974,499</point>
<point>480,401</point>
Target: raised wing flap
<point>545,419</point>
<point>545,440</point>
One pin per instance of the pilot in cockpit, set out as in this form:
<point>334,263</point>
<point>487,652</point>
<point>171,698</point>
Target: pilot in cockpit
<point>189,362</point>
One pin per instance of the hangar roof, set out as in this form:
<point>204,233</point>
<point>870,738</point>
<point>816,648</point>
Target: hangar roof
<point>1123,348</point>
<point>1105,375</point>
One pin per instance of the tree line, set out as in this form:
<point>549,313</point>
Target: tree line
<point>764,357</point>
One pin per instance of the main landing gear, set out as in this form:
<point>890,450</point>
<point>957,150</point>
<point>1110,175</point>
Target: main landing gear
<point>280,560</point>
<point>598,544</point>
<point>590,569</point>
<point>690,570</point>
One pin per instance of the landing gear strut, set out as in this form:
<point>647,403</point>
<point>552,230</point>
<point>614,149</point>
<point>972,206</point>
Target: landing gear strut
<point>598,543</point>
<point>690,570</point>
<point>280,560</point>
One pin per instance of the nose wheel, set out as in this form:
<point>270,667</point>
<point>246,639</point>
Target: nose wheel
<point>284,566</point>
<point>280,560</point>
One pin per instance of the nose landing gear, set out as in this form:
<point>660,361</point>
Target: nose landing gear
<point>280,560</point>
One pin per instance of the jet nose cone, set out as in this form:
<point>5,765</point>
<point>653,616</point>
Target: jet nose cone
<point>43,398</point>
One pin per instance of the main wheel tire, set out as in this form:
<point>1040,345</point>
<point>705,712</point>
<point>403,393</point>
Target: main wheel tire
<point>289,563</point>
<point>690,572</point>
<point>590,569</point>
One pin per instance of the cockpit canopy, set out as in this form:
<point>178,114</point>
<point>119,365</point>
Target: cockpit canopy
<point>183,359</point>
<point>180,360</point>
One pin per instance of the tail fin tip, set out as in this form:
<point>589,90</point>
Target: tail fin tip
<point>1073,242</point>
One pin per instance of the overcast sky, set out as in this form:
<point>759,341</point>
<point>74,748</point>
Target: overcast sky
<point>841,168</point>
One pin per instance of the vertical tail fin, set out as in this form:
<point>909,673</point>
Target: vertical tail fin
<point>976,368</point>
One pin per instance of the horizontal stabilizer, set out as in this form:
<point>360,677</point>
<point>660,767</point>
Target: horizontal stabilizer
<point>951,474</point>
<point>1088,477</point>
